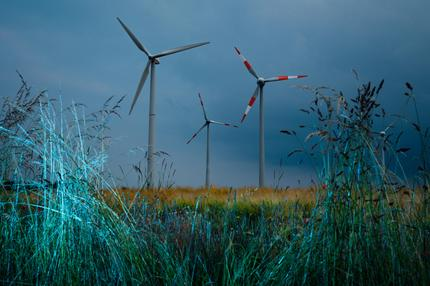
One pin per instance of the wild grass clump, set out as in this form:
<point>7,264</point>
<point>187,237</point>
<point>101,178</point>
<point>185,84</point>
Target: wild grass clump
<point>357,233</point>
<point>53,228</point>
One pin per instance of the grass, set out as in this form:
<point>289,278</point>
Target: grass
<point>63,222</point>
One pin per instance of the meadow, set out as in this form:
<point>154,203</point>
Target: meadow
<point>64,221</point>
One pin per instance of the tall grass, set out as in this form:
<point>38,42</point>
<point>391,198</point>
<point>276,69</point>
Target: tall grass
<point>63,223</point>
<point>53,229</point>
<point>357,234</point>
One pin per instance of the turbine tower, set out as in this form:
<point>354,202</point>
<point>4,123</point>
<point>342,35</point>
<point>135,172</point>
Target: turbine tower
<point>207,124</point>
<point>150,68</point>
<point>259,91</point>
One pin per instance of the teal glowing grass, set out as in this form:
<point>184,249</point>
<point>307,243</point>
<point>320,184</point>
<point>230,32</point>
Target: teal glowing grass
<point>56,228</point>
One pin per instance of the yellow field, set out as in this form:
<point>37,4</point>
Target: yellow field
<point>248,197</point>
<point>222,195</point>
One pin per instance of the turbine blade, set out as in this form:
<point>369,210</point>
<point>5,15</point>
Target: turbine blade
<point>179,49</point>
<point>198,131</point>
<point>246,63</point>
<point>140,86</point>
<point>284,77</point>
<point>133,37</point>
<point>250,103</point>
<point>203,107</point>
<point>223,123</point>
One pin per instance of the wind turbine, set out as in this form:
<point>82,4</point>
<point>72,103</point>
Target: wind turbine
<point>207,124</point>
<point>259,91</point>
<point>152,61</point>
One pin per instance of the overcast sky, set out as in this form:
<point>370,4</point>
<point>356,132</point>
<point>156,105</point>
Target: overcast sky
<point>78,49</point>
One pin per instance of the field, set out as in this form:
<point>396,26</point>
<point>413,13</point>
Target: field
<point>222,195</point>
<point>250,201</point>
<point>63,220</point>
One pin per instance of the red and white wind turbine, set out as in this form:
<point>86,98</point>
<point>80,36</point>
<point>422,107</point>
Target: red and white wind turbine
<point>207,124</point>
<point>259,91</point>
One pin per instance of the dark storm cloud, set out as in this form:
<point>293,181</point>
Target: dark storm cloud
<point>78,48</point>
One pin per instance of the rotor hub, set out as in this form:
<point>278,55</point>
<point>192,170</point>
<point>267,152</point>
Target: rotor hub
<point>260,81</point>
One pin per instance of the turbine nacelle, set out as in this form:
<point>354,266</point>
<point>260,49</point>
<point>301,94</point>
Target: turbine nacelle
<point>154,60</point>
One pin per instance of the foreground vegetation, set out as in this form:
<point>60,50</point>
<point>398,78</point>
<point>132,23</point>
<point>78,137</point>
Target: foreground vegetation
<point>62,223</point>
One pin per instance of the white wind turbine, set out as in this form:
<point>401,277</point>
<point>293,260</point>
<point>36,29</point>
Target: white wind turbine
<point>259,91</point>
<point>152,61</point>
<point>207,124</point>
